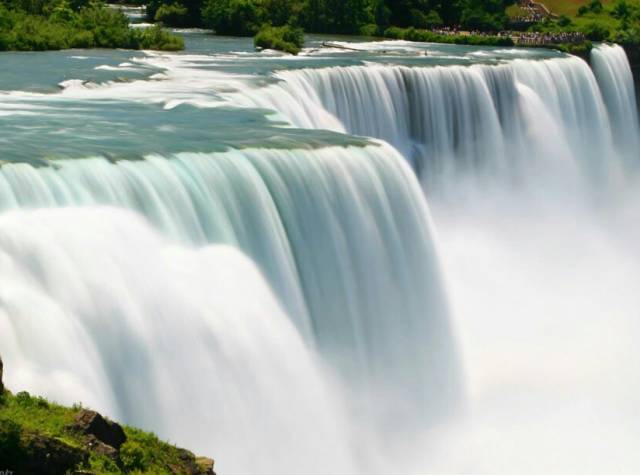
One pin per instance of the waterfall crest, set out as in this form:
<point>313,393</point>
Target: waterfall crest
<point>519,122</point>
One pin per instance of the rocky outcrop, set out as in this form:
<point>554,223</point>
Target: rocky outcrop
<point>99,430</point>
<point>192,465</point>
<point>633,54</point>
<point>49,456</point>
<point>206,465</point>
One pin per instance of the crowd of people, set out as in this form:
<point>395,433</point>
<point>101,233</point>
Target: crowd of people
<point>537,39</point>
<point>531,12</point>
<point>519,37</point>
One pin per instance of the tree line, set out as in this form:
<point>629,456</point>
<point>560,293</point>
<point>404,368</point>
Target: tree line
<point>38,25</point>
<point>246,17</point>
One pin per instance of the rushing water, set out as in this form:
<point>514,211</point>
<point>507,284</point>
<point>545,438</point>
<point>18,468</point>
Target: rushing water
<point>234,249</point>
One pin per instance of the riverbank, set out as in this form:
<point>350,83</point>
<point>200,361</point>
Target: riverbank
<point>577,45</point>
<point>40,437</point>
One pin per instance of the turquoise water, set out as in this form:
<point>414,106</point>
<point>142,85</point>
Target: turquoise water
<point>118,104</point>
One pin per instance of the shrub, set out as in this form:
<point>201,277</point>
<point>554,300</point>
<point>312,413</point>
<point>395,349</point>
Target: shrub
<point>133,457</point>
<point>564,21</point>
<point>283,38</point>
<point>595,31</point>
<point>369,30</point>
<point>595,6</point>
<point>394,33</point>
<point>11,450</point>
<point>156,38</point>
<point>173,14</point>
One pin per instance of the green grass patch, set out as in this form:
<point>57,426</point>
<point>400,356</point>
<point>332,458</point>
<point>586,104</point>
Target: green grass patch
<point>22,417</point>
<point>515,11</point>
<point>617,21</point>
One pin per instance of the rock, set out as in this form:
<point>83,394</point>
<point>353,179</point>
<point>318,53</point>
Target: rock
<point>100,448</point>
<point>1,383</point>
<point>107,432</point>
<point>206,465</point>
<point>190,465</point>
<point>46,455</point>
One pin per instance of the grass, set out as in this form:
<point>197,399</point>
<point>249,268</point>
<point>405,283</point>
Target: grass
<point>23,415</point>
<point>568,7</point>
<point>616,22</point>
<point>515,11</point>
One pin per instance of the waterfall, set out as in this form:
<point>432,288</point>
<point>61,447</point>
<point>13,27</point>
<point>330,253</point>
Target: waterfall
<point>97,307</point>
<point>281,306</point>
<point>611,67</point>
<point>522,122</point>
<point>342,235</point>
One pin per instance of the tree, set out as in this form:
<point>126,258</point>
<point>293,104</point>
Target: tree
<point>231,17</point>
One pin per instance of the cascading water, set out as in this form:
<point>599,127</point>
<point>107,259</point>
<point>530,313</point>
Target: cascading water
<point>341,233</point>
<point>538,243</point>
<point>610,65</point>
<point>95,306</point>
<point>509,122</point>
<point>350,366</point>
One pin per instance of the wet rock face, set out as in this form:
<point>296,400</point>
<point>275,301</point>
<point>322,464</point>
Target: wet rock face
<point>633,54</point>
<point>93,424</point>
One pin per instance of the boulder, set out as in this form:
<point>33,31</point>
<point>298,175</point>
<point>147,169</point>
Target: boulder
<point>206,465</point>
<point>192,465</point>
<point>94,445</point>
<point>107,432</point>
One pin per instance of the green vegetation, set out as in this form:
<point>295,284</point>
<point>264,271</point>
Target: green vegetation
<point>172,14</point>
<point>568,7</point>
<point>283,38</point>
<point>30,424</point>
<point>616,21</point>
<point>37,25</point>
<point>246,17</point>
<point>412,34</point>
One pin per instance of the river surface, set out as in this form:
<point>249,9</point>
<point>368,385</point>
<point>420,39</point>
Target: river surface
<point>393,258</point>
